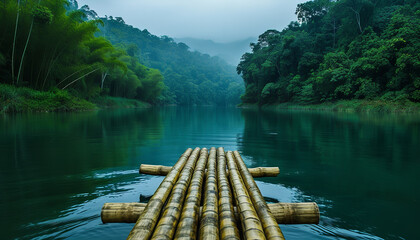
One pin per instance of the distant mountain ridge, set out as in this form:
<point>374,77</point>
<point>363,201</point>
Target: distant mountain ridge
<point>231,52</point>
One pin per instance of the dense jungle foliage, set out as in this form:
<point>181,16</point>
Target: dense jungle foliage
<point>45,46</point>
<point>54,45</point>
<point>338,50</point>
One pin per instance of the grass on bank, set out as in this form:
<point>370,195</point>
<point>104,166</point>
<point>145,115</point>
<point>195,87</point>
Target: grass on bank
<point>377,106</point>
<point>20,99</point>
<point>117,102</point>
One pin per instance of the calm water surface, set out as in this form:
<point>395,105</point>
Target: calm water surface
<point>57,170</point>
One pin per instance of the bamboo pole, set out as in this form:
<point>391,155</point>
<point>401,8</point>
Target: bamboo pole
<point>271,228</point>
<point>251,224</point>
<point>284,213</point>
<point>227,220</point>
<point>264,171</point>
<point>187,226</point>
<point>165,228</point>
<point>209,224</point>
<point>295,213</point>
<point>147,221</point>
<point>163,170</point>
<point>154,169</point>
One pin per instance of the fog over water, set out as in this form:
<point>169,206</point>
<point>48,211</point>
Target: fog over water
<point>217,20</point>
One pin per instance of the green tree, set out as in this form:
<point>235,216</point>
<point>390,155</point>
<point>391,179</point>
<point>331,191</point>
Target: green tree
<point>337,50</point>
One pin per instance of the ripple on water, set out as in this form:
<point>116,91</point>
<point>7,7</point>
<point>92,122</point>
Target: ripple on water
<point>57,170</point>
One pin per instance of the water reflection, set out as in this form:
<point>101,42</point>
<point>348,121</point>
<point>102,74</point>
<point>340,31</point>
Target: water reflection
<point>48,159</point>
<point>364,166</point>
<point>57,170</point>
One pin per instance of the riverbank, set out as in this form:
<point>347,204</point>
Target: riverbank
<point>366,106</point>
<point>117,102</point>
<point>20,99</point>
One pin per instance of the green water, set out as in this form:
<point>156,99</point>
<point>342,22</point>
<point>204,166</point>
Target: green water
<point>57,170</point>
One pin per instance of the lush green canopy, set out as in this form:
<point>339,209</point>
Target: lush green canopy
<point>47,44</point>
<point>342,49</point>
<point>51,44</point>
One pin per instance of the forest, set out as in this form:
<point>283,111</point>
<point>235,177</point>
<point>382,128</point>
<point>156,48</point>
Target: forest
<point>57,51</point>
<point>190,76</point>
<point>338,50</point>
<point>48,47</point>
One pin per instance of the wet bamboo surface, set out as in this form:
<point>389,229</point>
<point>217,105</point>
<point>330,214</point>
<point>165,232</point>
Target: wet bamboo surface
<point>160,170</point>
<point>227,221</point>
<point>284,213</point>
<point>251,224</point>
<point>209,224</point>
<point>187,226</point>
<point>145,224</point>
<point>168,221</point>
<point>232,204</point>
<point>269,223</point>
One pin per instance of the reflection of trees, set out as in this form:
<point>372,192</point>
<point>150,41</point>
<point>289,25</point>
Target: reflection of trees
<point>72,143</point>
<point>323,136</point>
<point>47,158</point>
<point>201,120</point>
<point>193,127</point>
<point>363,163</point>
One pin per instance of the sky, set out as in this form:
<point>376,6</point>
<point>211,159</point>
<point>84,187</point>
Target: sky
<point>217,20</point>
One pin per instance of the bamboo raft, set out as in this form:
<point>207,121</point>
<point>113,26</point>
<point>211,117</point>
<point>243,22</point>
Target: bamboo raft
<point>209,195</point>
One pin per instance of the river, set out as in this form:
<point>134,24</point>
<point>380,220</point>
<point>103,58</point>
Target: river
<point>57,170</point>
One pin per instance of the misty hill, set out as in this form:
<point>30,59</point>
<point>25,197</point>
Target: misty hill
<point>231,52</point>
<point>191,77</point>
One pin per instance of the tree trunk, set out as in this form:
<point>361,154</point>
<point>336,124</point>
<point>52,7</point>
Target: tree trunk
<point>69,76</point>
<point>80,78</point>
<point>39,71</point>
<point>51,65</point>
<point>24,50</point>
<point>357,15</point>
<point>14,42</point>
<point>334,31</point>
<point>104,74</point>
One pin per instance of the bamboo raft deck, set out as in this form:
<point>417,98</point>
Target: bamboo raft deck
<point>209,195</point>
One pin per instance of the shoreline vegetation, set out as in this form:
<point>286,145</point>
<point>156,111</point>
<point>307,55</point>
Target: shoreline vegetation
<point>21,99</point>
<point>49,45</point>
<point>56,56</point>
<point>341,55</point>
<point>348,106</point>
